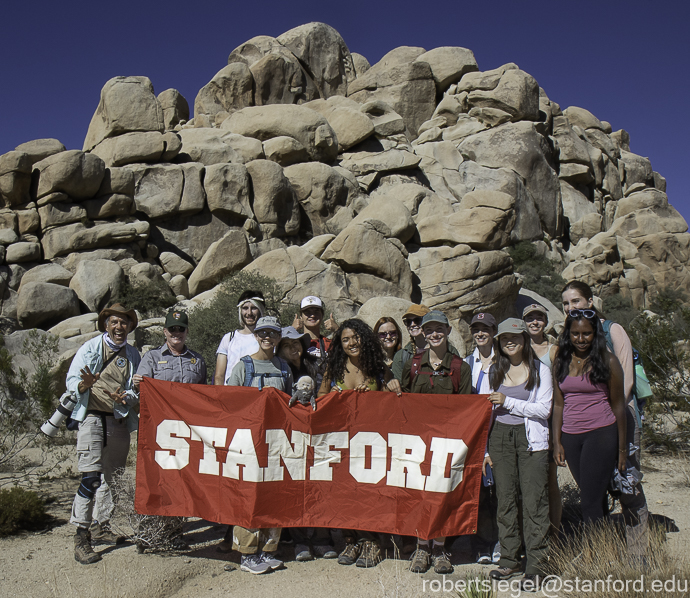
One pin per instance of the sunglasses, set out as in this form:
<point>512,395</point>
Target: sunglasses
<point>590,314</point>
<point>175,329</point>
<point>264,333</point>
<point>385,335</point>
<point>412,322</point>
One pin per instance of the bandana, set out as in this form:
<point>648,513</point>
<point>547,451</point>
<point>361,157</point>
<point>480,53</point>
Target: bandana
<point>111,344</point>
<point>257,302</point>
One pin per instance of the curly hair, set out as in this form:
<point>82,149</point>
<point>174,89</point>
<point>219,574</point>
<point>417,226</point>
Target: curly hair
<point>501,365</point>
<point>372,356</point>
<point>599,371</point>
<point>388,320</point>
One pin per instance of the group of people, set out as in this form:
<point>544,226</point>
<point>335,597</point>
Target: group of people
<point>552,404</point>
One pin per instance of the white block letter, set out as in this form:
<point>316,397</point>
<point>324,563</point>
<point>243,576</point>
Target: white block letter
<point>379,453</point>
<point>441,448</point>
<point>241,452</point>
<point>295,460</point>
<point>170,435</point>
<point>212,438</point>
<point>407,454</point>
<point>323,456</point>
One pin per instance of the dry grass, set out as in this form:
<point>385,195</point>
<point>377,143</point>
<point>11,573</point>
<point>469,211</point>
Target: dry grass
<point>684,471</point>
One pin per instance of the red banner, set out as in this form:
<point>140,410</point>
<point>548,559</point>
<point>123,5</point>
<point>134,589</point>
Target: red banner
<point>369,461</point>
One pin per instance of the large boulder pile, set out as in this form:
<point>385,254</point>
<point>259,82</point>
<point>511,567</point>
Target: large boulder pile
<point>407,179</point>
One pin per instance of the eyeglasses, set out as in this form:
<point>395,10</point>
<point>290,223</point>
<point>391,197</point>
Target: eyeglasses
<point>175,329</point>
<point>385,335</point>
<point>412,322</point>
<point>264,333</point>
<point>587,313</point>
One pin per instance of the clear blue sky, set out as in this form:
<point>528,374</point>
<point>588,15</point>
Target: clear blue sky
<point>628,62</point>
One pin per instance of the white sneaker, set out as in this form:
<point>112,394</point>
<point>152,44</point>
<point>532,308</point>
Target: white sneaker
<point>253,563</point>
<point>484,558</point>
<point>496,556</point>
<point>270,559</point>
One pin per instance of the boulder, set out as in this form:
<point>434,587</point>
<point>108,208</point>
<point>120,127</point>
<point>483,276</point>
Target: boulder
<point>279,78</point>
<point>285,150</point>
<point>465,125</point>
<point>127,104</point>
<point>175,265</point>
<point>350,124</point>
<point>602,141</point>
<point>15,178</point>
<point>76,326</point>
<point>386,121</point>
<point>179,286</point>
<point>97,283</point>
<point>320,190</point>
<point>393,307</point>
<point>230,89</point>
<point>229,254</point>
<point>484,80</point>
<point>18,253</point>
<point>516,93</point>
<point>317,245</point>
<point>28,220</point>
<point>360,63</point>
<point>76,237</point>
<point>585,228</point>
<point>637,169</point>
<point>8,236</point>
<point>38,149</point>
<point>75,173</point>
<point>131,148</point>
<point>157,189</point>
<point>275,206</point>
<point>45,304</point>
<point>575,205</point>
<point>571,147</point>
<point>647,221</point>
<point>53,273</point>
<point>646,198</point>
<point>305,125</point>
<point>175,108</point>
<point>117,180</point>
<point>377,156</point>
<point>126,255</point>
<point>391,212</point>
<point>59,214</point>
<point>583,118</point>
<point>227,188</point>
<point>108,206</point>
<point>323,52</point>
<point>611,184</point>
<point>216,146</point>
<point>448,64</point>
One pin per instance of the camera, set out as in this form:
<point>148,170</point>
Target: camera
<point>65,407</point>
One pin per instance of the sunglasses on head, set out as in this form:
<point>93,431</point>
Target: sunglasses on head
<point>177,329</point>
<point>590,314</point>
<point>412,322</point>
<point>384,335</point>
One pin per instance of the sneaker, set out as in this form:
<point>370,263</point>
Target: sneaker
<point>504,573</point>
<point>496,555</point>
<point>530,582</point>
<point>101,534</point>
<point>302,553</point>
<point>270,559</point>
<point>253,563</point>
<point>350,554</point>
<point>83,553</point>
<point>484,558</point>
<point>370,555</point>
<point>420,560</point>
<point>325,552</point>
<point>441,561</point>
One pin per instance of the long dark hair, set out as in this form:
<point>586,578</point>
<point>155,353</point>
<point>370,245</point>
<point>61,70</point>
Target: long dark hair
<point>309,365</point>
<point>389,320</point>
<point>501,364</point>
<point>584,290</point>
<point>599,370</point>
<point>372,356</point>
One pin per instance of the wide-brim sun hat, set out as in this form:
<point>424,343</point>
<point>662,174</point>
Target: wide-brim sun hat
<point>117,309</point>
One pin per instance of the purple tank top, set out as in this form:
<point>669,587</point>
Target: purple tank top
<point>586,406</point>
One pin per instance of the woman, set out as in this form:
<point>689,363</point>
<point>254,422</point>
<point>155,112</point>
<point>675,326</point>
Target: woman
<point>356,362</point>
<point>536,319</point>
<point>238,343</point>
<point>390,336</point>
<point>521,389</point>
<point>578,295</point>
<point>589,427</point>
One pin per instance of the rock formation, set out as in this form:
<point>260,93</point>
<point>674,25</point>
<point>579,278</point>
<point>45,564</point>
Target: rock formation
<point>407,179</point>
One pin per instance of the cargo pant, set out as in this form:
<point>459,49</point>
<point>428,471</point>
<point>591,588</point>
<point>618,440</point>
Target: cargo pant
<point>103,454</point>
<point>518,470</point>
<point>251,541</point>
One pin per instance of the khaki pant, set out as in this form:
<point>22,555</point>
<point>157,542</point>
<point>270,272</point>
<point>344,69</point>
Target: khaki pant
<point>251,541</point>
<point>517,470</point>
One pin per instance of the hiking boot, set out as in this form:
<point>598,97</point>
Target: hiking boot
<point>441,561</point>
<point>253,563</point>
<point>504,572</point>
<point>325,552</point>
<point>420,560</point>
<point>83,553</point>
<point>530,582</point>
<point>350,554</point>
<point>270,559</point>
<point>303,553</point>
<point>370,555</point>
<point>484,558</point>
<point>102,535</point>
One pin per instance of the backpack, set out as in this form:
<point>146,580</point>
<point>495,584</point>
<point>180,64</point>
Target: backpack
<point>469,360</point>
<point>641,389</point>
<point>250,374</point>
<point>455,369</point>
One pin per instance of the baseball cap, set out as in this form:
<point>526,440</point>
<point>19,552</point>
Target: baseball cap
<point>176,318</point>
<point>535,307</point>
<point>435,316</point>
<point>484,318</point>
<point>311,301</point>
<point>416,311</point>
<point>511,326</point>
<point>290,332</point>
<point>268,323</point>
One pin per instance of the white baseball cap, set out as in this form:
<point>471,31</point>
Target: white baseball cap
<point>311,301</point>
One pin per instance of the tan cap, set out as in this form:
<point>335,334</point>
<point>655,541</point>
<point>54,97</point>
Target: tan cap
<point>416,311</point>
<point>535,307</point>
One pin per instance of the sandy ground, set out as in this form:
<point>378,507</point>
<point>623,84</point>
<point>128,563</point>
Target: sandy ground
<point>41,564</point>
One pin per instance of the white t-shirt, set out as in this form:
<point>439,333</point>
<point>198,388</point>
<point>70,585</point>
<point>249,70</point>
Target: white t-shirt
<point>236,345</point>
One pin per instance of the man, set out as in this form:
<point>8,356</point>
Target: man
<point>309,319</point>
<point>100,376</point>
<point>174,362</point>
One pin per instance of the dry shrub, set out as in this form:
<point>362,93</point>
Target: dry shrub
<point>597,561</point>
<point>684,471</point>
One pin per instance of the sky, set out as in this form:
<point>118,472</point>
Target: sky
<point>627,62</point>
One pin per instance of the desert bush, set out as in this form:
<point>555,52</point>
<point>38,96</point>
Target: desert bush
<point>208,324</point>
<point>20,509</point>
<point>620,310</point>
<point>538,273</point>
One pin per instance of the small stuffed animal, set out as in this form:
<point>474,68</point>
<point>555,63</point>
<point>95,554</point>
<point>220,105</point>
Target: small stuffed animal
<point>304,392</point>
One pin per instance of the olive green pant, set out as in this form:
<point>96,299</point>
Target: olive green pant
<point>517,470</point>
